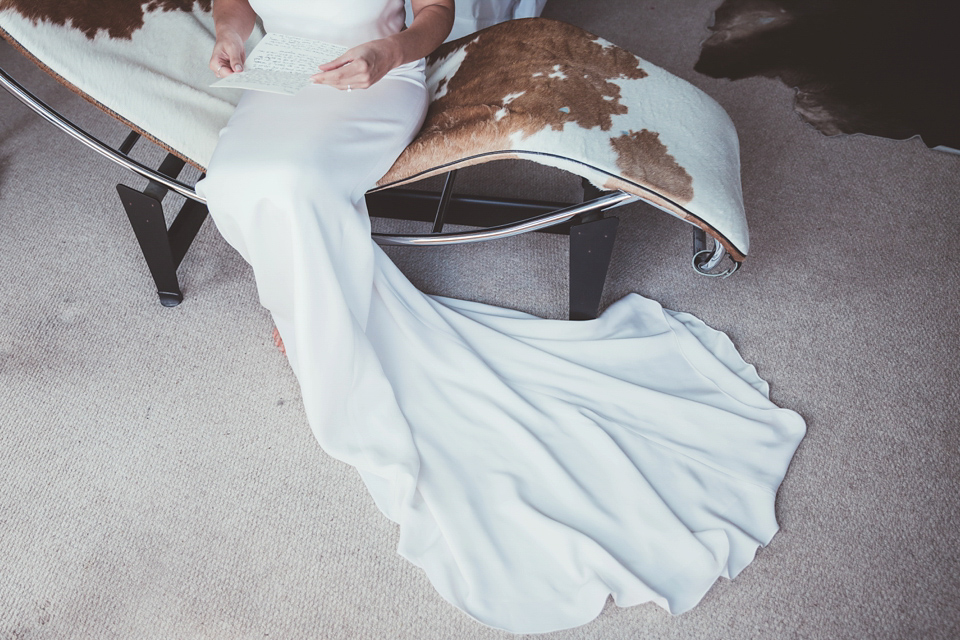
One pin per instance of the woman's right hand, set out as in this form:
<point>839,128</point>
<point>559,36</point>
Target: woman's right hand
<point>228,54</point>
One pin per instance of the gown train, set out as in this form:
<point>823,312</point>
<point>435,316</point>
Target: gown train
<point>534,466</point>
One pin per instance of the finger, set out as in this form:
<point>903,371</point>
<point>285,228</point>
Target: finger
<point>335,64</point>
<point>216,60</point>
<point>220,64</point>
<point>340,80</point>
<point>333,78</point>
<point>235,63</point>
<point>229,65</point>
<point>227,60</point>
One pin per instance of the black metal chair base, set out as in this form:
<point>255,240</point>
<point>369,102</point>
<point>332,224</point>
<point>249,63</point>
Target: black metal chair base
<point>591,243</point>
<point>591,235</point>
<point>162,248</point>
<point>591,246</point>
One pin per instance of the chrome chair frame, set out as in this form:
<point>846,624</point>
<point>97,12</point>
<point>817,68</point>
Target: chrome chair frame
<point>592,234</point>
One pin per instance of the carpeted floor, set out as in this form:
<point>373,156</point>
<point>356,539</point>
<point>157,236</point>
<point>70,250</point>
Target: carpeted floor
<point>158,479</point>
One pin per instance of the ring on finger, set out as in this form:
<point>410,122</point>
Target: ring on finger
<point>349,89</point>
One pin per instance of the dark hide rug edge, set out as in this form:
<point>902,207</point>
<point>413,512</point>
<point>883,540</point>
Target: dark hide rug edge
<point>887,68</point>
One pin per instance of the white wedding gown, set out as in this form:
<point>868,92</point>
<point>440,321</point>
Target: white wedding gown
<point>473,15</point>
<point>534,466</point>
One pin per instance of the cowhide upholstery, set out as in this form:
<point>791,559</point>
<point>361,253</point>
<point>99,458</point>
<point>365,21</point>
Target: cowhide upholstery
<point>145,63</point>
<point>533,88</point>
<point>553,93</point>
<point>883,67</point>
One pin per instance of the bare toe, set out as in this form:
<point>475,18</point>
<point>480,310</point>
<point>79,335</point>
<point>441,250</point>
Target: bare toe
<point>277,340</point>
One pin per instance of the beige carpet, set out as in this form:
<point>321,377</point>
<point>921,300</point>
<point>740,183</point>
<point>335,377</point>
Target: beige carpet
<point>158,479</point>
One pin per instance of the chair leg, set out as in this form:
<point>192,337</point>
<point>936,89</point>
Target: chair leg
<point>146,218</point>
<point>591,246</point>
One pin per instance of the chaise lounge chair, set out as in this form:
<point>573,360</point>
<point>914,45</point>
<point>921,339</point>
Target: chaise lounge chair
<point>532,89</point>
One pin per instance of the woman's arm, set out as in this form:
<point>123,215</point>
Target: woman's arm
<point>234,21</point>
<point>365,64</point>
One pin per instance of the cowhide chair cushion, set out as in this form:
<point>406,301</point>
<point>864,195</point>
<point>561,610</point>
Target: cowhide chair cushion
<point>534,88</point>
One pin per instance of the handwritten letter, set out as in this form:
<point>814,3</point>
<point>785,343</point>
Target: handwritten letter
<point>282,64</point>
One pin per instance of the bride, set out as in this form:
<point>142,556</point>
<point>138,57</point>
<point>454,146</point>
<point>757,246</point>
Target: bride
<point>534,466</point>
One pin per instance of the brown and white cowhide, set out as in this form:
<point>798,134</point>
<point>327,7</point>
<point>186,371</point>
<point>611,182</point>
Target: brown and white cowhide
<point>534,88</point>
<point>556,94</point>
<point>883,67</point>
<point>145,63</point>
<point>118,18</point>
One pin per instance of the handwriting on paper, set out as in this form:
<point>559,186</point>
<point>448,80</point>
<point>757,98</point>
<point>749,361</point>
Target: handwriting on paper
<point>282,63</point>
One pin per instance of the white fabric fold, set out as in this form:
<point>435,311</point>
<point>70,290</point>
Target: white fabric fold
<point>534,466</point>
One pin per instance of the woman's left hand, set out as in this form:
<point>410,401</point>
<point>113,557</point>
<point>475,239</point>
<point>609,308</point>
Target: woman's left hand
<point>361,66</point>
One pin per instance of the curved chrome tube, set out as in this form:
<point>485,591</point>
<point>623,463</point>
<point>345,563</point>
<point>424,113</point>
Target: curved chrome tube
<point>714,259</point>
<point>505,230</point>
<point>51,116</point>
<point>704,261</point>
<point>431,239</point>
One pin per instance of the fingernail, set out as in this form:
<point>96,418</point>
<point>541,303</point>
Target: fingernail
<point>238,67</point>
